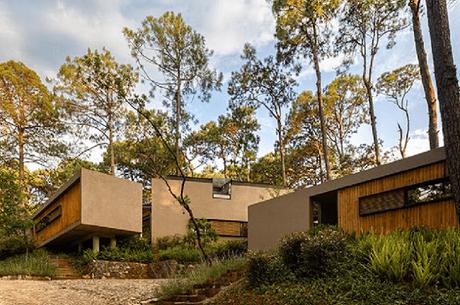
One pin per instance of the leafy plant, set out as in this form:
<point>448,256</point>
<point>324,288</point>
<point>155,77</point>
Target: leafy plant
<point>181,254</point>
<point>315,253</point>
<point>390,256</point>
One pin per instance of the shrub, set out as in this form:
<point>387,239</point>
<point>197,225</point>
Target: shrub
<point>201,274</point>
<point>181,254</point>
<point>166,242</point>
<point>390,256</point>
<point>426,261</point>
<point>450,258</point>
<point>229,248</point>
<point>126,255</point>
<point>315,253</point>
<point>207,233</point>
<point>266,269</point>
<point>34,263</point>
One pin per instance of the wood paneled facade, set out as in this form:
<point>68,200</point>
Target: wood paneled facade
<point>69,204</point>
<point>90,205</point>
<point>439,214</point>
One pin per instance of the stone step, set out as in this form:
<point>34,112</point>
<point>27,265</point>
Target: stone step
<point>64,268</point>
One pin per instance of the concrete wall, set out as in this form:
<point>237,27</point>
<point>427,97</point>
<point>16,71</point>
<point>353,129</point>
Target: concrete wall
<point>271,220</point>
<point>111,202</point>
<point>169,218</point>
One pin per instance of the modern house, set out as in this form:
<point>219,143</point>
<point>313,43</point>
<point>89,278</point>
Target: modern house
<point>90,209</point>
<point>410,192</point>
<point>224,203</point>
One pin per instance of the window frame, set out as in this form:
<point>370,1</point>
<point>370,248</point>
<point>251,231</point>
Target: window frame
<point>222,196</point>
<point>405,191</point>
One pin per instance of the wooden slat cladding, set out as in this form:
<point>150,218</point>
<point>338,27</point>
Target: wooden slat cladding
<point>440,214</point>
<point>70,203</point>
<point>229,228</point>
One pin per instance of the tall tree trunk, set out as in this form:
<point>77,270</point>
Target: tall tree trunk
<point>21,159</point>
<point>448,89</point>
<point>425,75</point>
<point>370,98</point>
<point>112,154</point>
<point>321,114</point>
<point>281,149</point>
<point>178,114</point>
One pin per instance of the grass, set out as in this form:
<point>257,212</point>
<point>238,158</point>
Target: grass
<point>202,274</point>
<point>35,263</point>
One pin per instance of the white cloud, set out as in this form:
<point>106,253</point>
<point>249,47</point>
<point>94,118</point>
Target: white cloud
<point>230,24</point>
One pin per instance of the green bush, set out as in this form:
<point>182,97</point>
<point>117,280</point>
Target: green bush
<point>181,254</point>
<point>229,248</point>
<point>450,258</point>
<point>315,253</point>
<point>390,256</point>
<point>34,263</point>
<point>426,263</point>
<point>126,255</point>
<point>266,269</point>
<point>201,274</point>
<point>166,242</point>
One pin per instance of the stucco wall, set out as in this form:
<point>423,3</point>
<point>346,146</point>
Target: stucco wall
<point>271,220</point>
<point>111,202</point>
<point>169,218</point>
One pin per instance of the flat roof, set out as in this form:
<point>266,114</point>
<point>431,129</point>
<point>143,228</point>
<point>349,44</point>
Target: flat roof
<point>59,192</point>
<point>420,160</point>
<point>235,182</point>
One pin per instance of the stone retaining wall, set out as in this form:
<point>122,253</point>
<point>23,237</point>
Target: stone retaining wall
<point>99,269</point>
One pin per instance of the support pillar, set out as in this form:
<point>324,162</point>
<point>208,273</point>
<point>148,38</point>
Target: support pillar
<point>113,243</point>
<point>80,247</point>
<point>96,243</point>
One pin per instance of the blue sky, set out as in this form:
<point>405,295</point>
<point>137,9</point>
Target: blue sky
<point>42,33</point>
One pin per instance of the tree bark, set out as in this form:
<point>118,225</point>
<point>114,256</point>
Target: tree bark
<point>448,89</point>
<point>21,158</point>
<point>177,139</point>
<point>370,98</point>
<point>321,114</point>
<point>428,86</point>
<point>112,154</point>
<point>281,148</point>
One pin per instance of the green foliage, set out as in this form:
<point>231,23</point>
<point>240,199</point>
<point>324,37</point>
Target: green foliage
<point>34,263</point>
<point>266,269</point>
<point>14,217</point>
<point>30,118</point>
<point>390,256</point>
<point>207,233</point>
<point>181,254</point>
<point>166,242</point>
<point>315,253</point>
<point>201,274</point>
<point>229,248</point>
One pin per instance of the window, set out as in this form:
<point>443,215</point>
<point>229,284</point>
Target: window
<point>229,228</point>
<point>437,191</point>
<point>221,188</point>
<point>405,197</point>
<point>48,219</point>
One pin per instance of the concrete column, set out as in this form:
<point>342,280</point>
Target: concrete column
<point>80,247</point>
<point>113,243</point>
<point>96,243</point>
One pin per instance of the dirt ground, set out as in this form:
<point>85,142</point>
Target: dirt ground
<point>77,292</point>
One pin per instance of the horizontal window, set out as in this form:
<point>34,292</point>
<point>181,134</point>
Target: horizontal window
<point>428,192</point>
<point>230,228</point>
<point>381,202</point>
<point>48,219</point>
